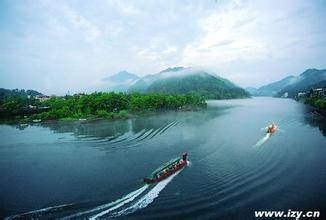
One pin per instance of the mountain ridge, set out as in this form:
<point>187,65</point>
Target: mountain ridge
<point>309,79</point>
<point>181,80</point>
<point>291,85</point>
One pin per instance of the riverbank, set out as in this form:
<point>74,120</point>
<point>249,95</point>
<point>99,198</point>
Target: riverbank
<point>318,105</point>
<point>96,105</point>
<point>123,115</point>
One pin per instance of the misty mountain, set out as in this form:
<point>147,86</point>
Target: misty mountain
<point>121,77</point>
<point>180,80</point>
<point>142,84</point>
<point>120,81</point>
<point>273,88</point>
<point>251,90</point>
<point>291,85</point>
<point>311,78</point>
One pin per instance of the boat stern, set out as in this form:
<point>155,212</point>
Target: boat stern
<point>185,156</point>
<point>148,180</point>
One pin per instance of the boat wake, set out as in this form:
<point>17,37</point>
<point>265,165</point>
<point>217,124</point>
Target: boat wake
<point>39,212</point>
<point>148,198</point>
<point>263,140</point>
<point>142,202</point>
<point>111,205</point>
<point>127,204</point>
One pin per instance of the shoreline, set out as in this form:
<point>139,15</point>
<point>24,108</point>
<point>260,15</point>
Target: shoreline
<point>91,118</point>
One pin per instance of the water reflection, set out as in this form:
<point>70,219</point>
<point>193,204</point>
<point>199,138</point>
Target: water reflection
<point>139,126</point>
<point>146,126</point>
<point>315,120</point>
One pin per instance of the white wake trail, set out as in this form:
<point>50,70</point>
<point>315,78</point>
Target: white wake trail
<point>147,198</point>
<point>116,204</point>
<point>39,211</point>
<point>263,140</point>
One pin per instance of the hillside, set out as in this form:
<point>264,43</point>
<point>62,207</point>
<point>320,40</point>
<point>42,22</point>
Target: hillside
<point>273,88</point>
<point>121,77</point>
<point>181,80</point>
<point>120,81</point>
<point>251,90</point>
<point>142,84</point>
<point>311,78</point>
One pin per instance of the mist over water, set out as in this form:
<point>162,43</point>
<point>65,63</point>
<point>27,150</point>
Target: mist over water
<point>95,168</point>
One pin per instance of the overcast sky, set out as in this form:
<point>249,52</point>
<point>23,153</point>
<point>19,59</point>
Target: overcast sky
<point>59,46</point>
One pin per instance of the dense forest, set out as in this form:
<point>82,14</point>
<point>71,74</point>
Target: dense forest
<point>201,83</point>
<point>17,92</point>
<point>316,102</point>
<point>16,102</point>
<point>103,105</point>
<point>315,98</point>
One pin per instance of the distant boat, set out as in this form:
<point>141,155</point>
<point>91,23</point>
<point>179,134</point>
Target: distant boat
<point>167,169</point>
<point>271,128</point>
<point>82,119</point>
<point>37,120</point>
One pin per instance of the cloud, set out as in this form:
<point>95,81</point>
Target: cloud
<point>79,22</point>
<point>254,33</point>
<point>71,46</point>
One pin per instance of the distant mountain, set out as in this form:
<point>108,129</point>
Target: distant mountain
<point>120,81</point>
<point>180,80</point>
<point>311,78</point>
<point>251,90</point>
<point>142,84</point>
<point>18,92</point>
<point>273,88</point>
<point>121,77</point>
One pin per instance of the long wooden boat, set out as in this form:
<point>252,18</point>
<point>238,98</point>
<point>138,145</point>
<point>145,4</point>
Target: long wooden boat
<point>167,169</point>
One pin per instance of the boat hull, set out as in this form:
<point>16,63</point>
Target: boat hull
<point>167,174</point>
<point>271,131</point>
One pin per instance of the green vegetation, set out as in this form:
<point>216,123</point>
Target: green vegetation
<point>17,92</point>
<point>14,106</point>
<point>179,80</point>
<point>203,84</point>
<point>96,105</point>
<point>17,102</point>
<point>315,98</point>
<point>316,102</point>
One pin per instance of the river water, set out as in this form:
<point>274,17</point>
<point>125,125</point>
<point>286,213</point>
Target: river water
<point>94,169</point>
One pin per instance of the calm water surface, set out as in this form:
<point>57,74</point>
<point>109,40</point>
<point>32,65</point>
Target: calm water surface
<point>95,169</point>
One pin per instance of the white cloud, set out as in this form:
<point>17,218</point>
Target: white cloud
<point>170,50</point>
<point>249,42</point>
<point>235,33</point>
<point>128,8</point>
<point>254,33</point>
<point>77,21</point>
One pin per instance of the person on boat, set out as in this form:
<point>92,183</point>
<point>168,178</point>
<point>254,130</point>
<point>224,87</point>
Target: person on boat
<point>184,156</point>
<point>271,128</point>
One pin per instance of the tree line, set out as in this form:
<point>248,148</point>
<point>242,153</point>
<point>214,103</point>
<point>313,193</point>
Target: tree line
<point>97,104</point>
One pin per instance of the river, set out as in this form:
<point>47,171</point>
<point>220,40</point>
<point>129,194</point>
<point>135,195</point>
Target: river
<point>95,168</point>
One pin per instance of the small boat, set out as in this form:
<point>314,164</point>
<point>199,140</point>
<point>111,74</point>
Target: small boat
<point>167,169</point>
<point>271,129</point>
